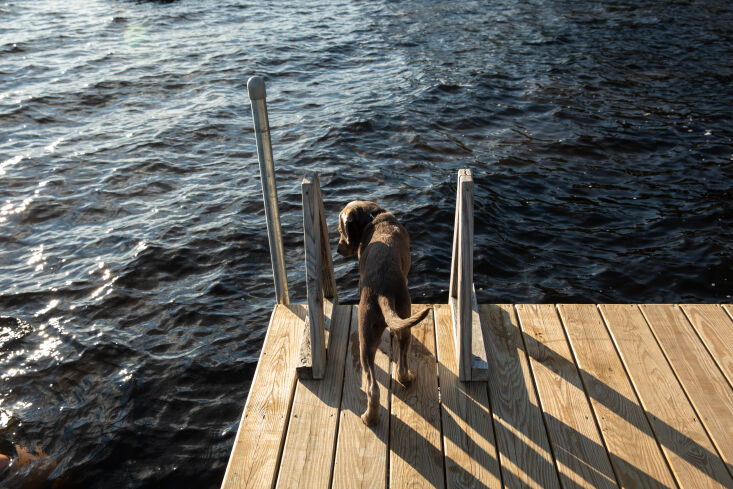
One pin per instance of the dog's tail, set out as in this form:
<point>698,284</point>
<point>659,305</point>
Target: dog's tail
<point>396,323</point>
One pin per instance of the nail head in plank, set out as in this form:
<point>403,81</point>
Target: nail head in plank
<point>361,451</point>
<point>577,445</point>
<point>468,437</point>
<point>258,444</point>
<point>524,451</point>
<point>308,454</point>
<point>416,458</point>
<point>682,437</point>
<point>633,449</point>
<point>701,379</point>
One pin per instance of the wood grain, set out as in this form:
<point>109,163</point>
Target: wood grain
<point>361,452</point>
<point>703,381</point>
<point>258,444</point>
<point>462,275</point>
<point>416,458</point>
<point>304,368</point>
<point>577,445</point>
<point>715,328</point>
<point>328,278</point>
<point>521,438</point>
<point>313,275</point>
<point>682,437</point>
<point>468,437</point>
<point>633,450</point>
<point>308,454</point>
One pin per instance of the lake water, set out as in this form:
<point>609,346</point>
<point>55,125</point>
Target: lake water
<point>135,281</point>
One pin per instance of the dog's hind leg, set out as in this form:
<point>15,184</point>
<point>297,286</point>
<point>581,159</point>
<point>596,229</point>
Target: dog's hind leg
<point>405,376</point>
<point>371,415</point>
<point>370,334</point>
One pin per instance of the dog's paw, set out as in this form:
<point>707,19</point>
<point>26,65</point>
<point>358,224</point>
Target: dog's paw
<point>370,420</point>
<point>407,378</point>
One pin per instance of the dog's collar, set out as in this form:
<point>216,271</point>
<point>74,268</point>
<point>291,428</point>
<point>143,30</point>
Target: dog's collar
<point>379,216</point>
<point>373,215</point>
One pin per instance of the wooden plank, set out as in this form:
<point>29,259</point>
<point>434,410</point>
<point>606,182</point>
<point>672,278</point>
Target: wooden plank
<point>453,285</point>
<point>361,452</point>
<point>313,276</point>
<point>524,451</point>
<point>258,444</point>
<point>310,444</point>
<point>479,363</point>
<point>416,458</point>
<point>701,379</point>
<point>682,437</point>
<point>468,437</point>
<point>462,275</point>
<point>579,452</point>
<point>304,368</point>
<point>715,329</point>
<point>637,460</point>
<point>328,278</point>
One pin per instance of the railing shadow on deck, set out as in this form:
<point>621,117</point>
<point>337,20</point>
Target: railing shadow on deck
<point>604,394</point>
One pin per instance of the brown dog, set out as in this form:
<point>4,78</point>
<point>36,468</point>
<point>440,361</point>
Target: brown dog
<point>383,246</point>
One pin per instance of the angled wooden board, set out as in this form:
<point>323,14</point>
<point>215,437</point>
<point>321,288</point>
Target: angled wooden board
<point>257,447</point>
<point>468,437</point>
<point>700,377</point>
<point>416,458</point>
<point>524,450</point>
<point>361,451</point>
<point>715,328</point>
<point>633,449</point>
<point>308,455</point>
<point>314,276</point>
<point>683,439</point>
<point>581,458</point>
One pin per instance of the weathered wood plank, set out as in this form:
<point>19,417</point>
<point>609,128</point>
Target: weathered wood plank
<point>468,437</point>
<point>479,363</point>
<point>704,383</point>
<point>524,451</point>
<point>361,452</point>
<point>328,279</point>
<point>462,275</point>
<point>310,444</point>
<point>258,444</point>
<point>416,458</point>
<point>579,452</point>
<point>304,368</point>
<point>313,275</point>
<point>633,449</point>
<point>682,437</point>
<point>715,328</point>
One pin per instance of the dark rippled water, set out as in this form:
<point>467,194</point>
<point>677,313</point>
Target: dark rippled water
<point>135,281</point>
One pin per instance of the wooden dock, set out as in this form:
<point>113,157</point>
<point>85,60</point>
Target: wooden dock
<point>578,396</point>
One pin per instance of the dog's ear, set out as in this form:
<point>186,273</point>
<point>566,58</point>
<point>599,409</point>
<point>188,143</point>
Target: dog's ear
<point>350,227</point>
<point>353,223</point>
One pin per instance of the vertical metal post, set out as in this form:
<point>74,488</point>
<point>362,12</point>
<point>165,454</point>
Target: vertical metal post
<point>257,96</point>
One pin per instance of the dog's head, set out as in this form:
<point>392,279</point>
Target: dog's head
<point>356,216</point>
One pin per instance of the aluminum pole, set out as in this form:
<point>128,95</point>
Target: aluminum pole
<point>256,89</point>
